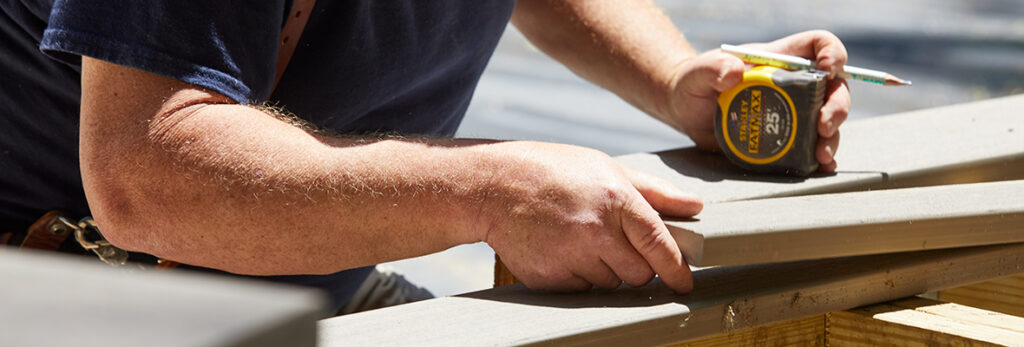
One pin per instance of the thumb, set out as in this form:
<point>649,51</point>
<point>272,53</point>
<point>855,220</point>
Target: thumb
<point>665,197</point>
<point>712,72</point>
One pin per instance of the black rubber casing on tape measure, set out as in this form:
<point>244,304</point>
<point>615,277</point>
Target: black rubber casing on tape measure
<point>769,122</point>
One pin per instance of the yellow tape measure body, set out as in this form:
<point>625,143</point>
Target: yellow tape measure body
<point>768,122</point>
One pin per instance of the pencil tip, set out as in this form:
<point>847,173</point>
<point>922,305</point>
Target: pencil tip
<point>891,80</point>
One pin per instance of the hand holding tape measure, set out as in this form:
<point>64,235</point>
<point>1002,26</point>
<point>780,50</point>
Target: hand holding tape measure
<point>768,122</point>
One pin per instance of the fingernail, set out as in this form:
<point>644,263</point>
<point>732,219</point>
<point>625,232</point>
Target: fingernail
<point>831,152</point>
<point>825,61</point>
<point>725,70</point>
<point>826,64</point>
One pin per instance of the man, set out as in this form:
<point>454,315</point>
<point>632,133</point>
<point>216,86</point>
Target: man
<point>144,115</point>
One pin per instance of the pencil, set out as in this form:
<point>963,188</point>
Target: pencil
<point>790,62</point>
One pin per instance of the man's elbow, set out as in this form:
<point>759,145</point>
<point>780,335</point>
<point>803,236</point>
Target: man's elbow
<point>117,209</point>
<point>133,196</point>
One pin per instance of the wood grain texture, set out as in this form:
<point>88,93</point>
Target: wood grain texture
<point>973,142</point>
<point>832,225</point>
<point>964,313</point>
<point>726,299</point>
<point>502,276</point>
<point>799,332</point>
<point>923,322</point>
<point>1005,294</point>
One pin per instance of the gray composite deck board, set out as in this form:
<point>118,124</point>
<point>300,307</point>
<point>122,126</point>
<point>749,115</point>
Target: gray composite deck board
<point>976,142</point>
<point>835,225</point>
<point>725,299</point>
<point>51,299</point>
<point>973,142</point>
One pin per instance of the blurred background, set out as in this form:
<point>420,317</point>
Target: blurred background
<point>953,51</point>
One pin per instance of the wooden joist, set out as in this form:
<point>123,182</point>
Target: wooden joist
<point>911,322</point>
<point>726,299</point>
<point>1005,294</point>
<point>833,225</point>
<point>923,322</point>
<point>808,331</point>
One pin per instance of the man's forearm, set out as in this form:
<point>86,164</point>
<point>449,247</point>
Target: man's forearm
<point>229,187</point>
<point>181,172</point>
<point>629,47</point>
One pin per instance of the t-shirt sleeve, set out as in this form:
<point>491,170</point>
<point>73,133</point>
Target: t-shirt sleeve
<point>227,46</point>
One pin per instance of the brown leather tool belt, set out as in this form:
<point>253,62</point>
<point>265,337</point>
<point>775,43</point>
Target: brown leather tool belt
<point>56,231</point>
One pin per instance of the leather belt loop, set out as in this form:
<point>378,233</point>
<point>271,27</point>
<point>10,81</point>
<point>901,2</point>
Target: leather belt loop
<point>46,233</point>
<point>290,34</point>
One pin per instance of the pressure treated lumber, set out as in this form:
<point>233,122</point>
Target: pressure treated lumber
<point>973,142</point>
<point>909,322</point>
<point>799,332</point>
<point>833,225</point>
<point>726,299</point>
<point>502,276</point>
<point>52,299</point>
<point>1005,294</point>
<point>923,322</point>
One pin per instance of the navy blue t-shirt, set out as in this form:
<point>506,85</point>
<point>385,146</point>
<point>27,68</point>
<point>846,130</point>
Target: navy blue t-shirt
<point>401,66</point>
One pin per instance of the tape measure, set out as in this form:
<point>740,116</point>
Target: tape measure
<point>769,122</point>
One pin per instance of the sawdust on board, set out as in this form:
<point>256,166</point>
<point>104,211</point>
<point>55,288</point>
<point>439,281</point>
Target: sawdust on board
<point>738,314</point>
